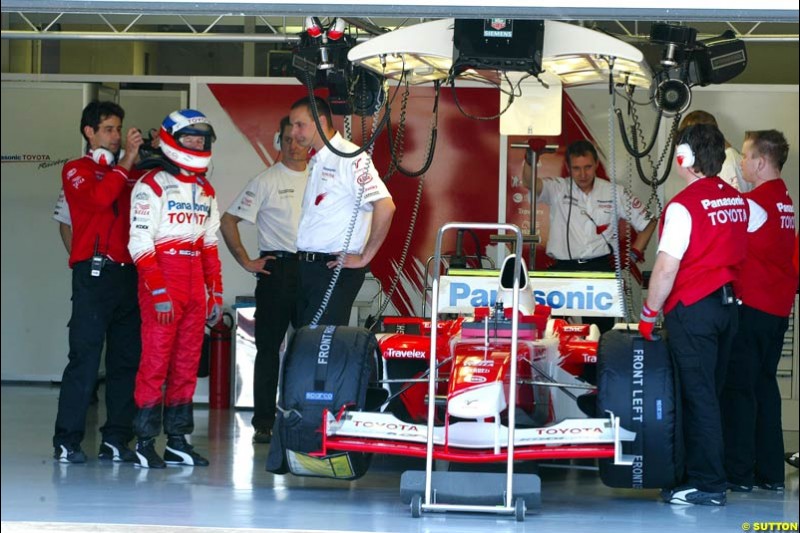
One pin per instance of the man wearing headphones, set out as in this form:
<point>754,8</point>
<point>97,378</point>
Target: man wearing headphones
<point>337,186</point>
<point>104,281</point>
<point>701,250</point>
<point>271,201</point>
<point>581,216</point>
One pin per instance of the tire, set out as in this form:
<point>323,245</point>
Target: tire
<point>339,365</point>
<point>636,381</point>
<point>519,509</point>
<point>416,506</point>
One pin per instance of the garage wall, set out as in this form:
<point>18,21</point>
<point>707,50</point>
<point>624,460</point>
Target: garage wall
<point>463,182</point>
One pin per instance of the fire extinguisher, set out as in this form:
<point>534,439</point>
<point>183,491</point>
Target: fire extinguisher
<point>219,387</point>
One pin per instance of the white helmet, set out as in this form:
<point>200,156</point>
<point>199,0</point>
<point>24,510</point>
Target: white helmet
<point>181,123</point>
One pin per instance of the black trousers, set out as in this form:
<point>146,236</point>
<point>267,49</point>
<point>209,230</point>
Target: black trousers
<point>700,339</point>
<point>276,308</point>
<point>598,264</point>
<point>315,278</point>
<point>751,400</point>
<point>104,308</point>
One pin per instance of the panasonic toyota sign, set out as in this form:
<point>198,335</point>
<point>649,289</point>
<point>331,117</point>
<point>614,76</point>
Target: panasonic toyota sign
<point>597,295</point>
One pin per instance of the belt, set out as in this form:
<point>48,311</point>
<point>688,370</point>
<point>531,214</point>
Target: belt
<point>114,264</point>
<point>108,263</point>
<point>316,257</point>
<point>584,261</point>
<point>279,254</point>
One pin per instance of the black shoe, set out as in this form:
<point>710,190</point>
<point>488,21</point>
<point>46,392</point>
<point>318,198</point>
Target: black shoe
<point>147,456</point>
<point>262,436</point>
<point>793,459</point>
<point>776,487</point>
<point>180,452</point>
<point>69,453</point>
<point>733,487</point>
<point>117,452</point>
<point>692,496</point>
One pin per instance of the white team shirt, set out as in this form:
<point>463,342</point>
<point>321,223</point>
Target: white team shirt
<point>61,209</point>
<point>589,212</point>
<point>330,200</point>
<point>273,201</point>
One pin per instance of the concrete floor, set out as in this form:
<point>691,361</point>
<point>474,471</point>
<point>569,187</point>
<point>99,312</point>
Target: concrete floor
<point>236,494</point>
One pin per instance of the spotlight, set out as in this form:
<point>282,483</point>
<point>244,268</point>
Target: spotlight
<point>673,96</point>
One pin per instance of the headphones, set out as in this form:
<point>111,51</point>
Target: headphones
<point>103,156</point>
<point>276,141</point>
<point>684,155</point>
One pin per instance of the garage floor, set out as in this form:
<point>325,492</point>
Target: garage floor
<point>236,494</point>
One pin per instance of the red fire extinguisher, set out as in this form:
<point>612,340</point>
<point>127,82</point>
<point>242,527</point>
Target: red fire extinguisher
<point>219,386</point>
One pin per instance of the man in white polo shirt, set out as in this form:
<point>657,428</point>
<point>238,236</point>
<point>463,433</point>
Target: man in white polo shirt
<point>582,217</point>
<point>329,233</point>
<point>271,200</point>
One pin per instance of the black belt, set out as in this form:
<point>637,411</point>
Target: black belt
<point>601,258</point>
<point>108,263</point>
<point>280,254</point>
<point>316,257</point>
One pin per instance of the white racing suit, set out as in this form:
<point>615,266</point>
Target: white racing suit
<point>174,223</point>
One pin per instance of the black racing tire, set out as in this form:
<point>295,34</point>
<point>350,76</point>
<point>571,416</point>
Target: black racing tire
<point>340,365</point>
<point>637,382</point>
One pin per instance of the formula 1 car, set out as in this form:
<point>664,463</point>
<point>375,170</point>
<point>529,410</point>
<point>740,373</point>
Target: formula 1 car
<point>348,394</point>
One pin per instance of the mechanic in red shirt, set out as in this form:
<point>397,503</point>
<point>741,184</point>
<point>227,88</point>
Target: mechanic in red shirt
<point>751,401</point>
<point>104,281</point>
<point>700,253</point>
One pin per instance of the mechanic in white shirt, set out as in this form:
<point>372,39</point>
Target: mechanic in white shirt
<point>271,201</point>
<point>582,214</point>
<point>328,232</point>
<point>731,172</point>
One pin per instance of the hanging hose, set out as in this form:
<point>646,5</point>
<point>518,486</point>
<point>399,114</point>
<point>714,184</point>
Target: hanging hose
<point>431,146</point>
<point>612,142</point>
<point>376,126</point>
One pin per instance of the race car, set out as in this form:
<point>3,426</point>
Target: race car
<point>448,385</point>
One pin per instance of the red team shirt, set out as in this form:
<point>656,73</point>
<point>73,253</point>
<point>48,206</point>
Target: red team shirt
<point>717,243</point>
<point>766,283</point>
<point>99,199</point>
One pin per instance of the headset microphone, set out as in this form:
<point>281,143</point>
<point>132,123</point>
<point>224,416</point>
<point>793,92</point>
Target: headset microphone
<point>276,141</point>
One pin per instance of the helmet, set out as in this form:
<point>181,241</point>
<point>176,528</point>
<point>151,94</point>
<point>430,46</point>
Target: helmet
<point>179,124</point>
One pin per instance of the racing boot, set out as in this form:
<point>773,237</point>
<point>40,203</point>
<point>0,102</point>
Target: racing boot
<point>180,452</point>
<point>146,454</point>
<point>147,426</point>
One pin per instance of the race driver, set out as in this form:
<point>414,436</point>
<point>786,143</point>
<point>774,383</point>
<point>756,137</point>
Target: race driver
<point>174,223</point>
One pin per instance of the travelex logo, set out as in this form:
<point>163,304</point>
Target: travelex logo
<point>581,300</point>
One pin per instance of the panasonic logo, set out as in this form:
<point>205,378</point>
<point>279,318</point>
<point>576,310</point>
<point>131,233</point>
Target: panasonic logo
<point>392,353</point>
<point>722,202</point>
<point>461,293</point>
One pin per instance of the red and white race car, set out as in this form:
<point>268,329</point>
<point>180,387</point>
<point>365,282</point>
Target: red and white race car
<point>348,394</point>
